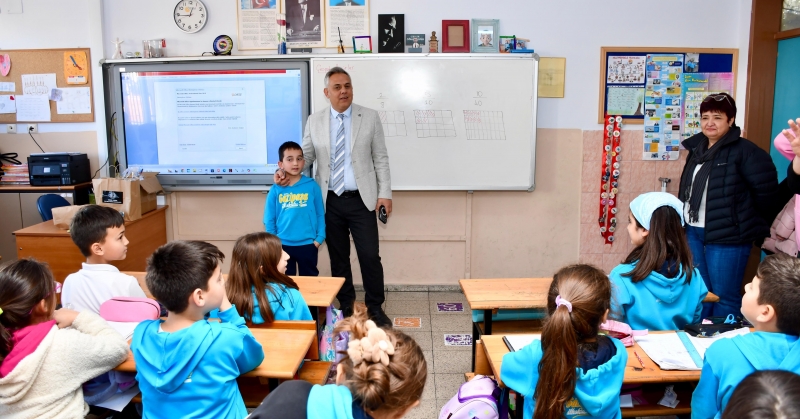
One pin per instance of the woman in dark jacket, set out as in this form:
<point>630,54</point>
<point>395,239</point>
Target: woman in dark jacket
<point>728,186</point>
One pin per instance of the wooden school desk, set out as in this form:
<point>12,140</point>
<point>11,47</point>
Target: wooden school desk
<point>283,352</point>
<point>494,349</point>
<point>47,243</point>
<point>510,293</point>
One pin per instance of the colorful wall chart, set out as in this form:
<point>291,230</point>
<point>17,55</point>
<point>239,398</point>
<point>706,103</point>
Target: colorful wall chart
<point>662,107</point>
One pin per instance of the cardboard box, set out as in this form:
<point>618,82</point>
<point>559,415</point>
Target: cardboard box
<point>131,197</point>
<point>62,216</point>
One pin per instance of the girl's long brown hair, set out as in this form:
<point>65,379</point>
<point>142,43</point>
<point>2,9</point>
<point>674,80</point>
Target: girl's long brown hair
<point>666,240</point>
<point>23,284</point>
<point>254,267</point>
<point>588,289</point>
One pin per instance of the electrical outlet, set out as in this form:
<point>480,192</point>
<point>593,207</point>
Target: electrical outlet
<point>32,128</point>
<point>11,128</point>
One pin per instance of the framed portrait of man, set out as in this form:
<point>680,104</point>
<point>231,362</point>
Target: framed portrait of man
<point>305,23</point>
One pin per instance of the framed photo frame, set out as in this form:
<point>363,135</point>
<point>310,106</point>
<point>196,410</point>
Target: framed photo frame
<point>485,35</point>
<point>345,19</point>
<point>455,36</point>
<point>391,33</point>
<point>362,44</point>
<point>507,44</point>
<point>305,23</point>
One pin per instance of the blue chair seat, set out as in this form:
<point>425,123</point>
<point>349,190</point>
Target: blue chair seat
<point>47,202</point>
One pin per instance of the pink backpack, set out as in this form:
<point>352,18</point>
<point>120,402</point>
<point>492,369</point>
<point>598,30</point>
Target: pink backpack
<point>479,398</point>
<point>621,331</point>
<point>130,309</point>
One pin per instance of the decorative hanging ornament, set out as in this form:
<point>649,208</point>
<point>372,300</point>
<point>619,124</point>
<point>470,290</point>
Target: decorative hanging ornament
<point>609,177</point>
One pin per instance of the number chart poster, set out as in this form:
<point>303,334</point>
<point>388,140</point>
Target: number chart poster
<point>663,110</point>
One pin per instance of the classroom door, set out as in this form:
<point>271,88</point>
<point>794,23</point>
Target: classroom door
<point>787,95</point>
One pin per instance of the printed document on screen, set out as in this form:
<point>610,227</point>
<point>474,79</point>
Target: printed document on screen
<point>203,124</point>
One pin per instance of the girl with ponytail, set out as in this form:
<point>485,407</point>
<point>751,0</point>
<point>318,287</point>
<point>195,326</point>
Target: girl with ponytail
<point>47,354</point>
<point>572,371</point>
<point>381,376</point>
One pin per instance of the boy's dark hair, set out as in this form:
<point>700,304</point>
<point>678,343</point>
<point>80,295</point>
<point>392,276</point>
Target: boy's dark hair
<point>90,224</point>
<point>780,282</point>
<point>765,395</point>
<point>289,145</point>
<point>178,268</point>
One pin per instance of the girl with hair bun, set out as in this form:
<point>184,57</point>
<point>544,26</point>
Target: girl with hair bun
<point>572,371</point>
<point>382,376</point>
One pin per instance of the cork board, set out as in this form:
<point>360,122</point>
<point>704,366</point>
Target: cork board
<point>39,61</point>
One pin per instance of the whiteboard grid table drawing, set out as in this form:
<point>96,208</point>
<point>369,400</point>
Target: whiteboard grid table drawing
<point>484,125</point>
<point>394,123</point>
<point>456,117</point>
<point>434,123</point>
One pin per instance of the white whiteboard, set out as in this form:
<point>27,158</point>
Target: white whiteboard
<point>452,121</point>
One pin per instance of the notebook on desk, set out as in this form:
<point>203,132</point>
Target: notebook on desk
<point>517,342</point>
<point>680,351</point>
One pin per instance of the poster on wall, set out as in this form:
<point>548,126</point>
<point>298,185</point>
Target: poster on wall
<point>625,101</point>
<point>305,23</point>
<point>624,69</point>
<point>257,24</point>
<point>663,109</point>
<point>697,86</point>
<point>348,17</point>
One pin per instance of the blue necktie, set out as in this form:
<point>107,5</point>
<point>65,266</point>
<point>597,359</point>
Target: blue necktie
<point>337,171</point>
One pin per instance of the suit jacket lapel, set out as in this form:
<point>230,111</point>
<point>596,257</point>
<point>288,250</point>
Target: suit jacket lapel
<point>355,114</point>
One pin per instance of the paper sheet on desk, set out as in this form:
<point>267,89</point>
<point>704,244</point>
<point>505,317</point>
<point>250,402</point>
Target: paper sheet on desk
<point>121,399</point>
<point>517,342</point>
<point>668,351</point>
<point>702,344</point>
<point>124,328</point>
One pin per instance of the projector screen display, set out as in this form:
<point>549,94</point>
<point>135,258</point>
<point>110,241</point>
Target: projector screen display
<point>199,122</point>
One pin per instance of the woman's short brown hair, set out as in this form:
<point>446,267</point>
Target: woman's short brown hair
<point>720,103</point>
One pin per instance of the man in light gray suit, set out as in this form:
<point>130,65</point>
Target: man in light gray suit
<point>346,141</point>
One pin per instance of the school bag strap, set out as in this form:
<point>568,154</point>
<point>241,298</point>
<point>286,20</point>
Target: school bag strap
<point>130,309</point>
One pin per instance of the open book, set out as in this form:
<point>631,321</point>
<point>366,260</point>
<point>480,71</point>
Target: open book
<point>517,342</point>
<point>679,350</point>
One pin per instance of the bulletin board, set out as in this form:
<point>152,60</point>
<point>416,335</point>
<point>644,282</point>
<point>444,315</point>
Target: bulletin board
<point>48,61</point>
<point>624,77</point>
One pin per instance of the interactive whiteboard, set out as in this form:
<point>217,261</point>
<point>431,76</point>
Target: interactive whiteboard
<point>451,121</point>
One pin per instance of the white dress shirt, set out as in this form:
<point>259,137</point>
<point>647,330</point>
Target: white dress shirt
<point>349,177</point>
<point>93,285</point>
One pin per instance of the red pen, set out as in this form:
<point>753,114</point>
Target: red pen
<point>639,358</point>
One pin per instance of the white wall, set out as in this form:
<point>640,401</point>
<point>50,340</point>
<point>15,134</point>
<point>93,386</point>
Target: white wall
<point>62,24</point>
<point>575,29</point>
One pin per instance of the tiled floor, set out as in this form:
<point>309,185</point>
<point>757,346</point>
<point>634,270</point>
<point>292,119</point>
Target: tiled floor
<point>446,364</point>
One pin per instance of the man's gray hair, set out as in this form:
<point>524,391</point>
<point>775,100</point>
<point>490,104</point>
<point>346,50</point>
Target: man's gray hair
<point>332,71</point>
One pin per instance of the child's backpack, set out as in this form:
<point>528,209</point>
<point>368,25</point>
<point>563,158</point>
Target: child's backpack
<point>621,331</point>
<point>479,398</point>
<point>130,309</point>
<point>715,325</point>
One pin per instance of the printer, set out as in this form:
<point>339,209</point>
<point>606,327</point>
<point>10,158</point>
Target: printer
<point>49,169</point>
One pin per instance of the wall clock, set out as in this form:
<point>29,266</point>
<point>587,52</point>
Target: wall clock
<point>190,15</point>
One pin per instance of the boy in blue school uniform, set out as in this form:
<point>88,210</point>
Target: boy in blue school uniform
<point>772,304</point>
<point>186,365</point>
<point>295,213</point>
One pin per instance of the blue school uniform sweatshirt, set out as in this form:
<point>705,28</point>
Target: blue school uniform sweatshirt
<point>657,302</point>
<point>728,361</point>
<point>332,402</point>
<point>596,389</point>
<point>286,304</point>
<point>192,372</point>
<point>295,213</point>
